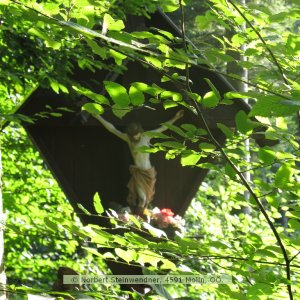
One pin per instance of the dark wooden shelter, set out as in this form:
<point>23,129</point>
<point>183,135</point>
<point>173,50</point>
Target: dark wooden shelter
<point>86,159</point>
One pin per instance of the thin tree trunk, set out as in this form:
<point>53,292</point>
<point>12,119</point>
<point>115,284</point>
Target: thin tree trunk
<point>3,295</point>
<point>234,68</point>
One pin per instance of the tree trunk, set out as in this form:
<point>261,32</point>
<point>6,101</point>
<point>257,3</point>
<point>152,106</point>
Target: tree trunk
<point>3,295</point>
<point>234,68</point>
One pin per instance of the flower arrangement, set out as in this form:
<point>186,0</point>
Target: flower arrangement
<point>163,218</point>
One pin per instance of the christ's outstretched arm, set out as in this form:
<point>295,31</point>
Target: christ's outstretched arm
<point>111,128</point>
<point>178,116</point>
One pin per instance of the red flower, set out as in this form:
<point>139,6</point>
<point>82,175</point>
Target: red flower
<point>167,212</point>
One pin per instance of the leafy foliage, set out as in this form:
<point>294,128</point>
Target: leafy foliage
<point>259,250</point>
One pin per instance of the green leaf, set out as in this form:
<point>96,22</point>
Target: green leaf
<point>194,96</point>
<point>243,124</point>
<point>135,221</point>
<point>101,238</point>
<point>267,155</point>
<point>168,265</point>
<point>230,171</point>
<point>293,214</point>
<point>189,158</point>
<point>51,8</point>
<point>136,239</point>
<point>150,257</point>
<point>151,90</point>
<point>169,5</point>
<point>110,24</point>
<point>189,127</point>
<point>279,17</point>
<point>167,34</point>
<point>187,244</point>
<point>203,22</point>
<point>241,95</point>
<point>210,100</point>
<point>117,56</point>
<point>54,114</point>
<point>283,176</point>
<point>291,103</point>
<point>213,88</point>
<point>171,144</point>
<point>55,86</point>
<point>294,224</point>
<point>207,147</point>
<point>238,40</point>
<point>97,204</point>
<point>268,106</point>
<point>93,108</point>
<point>92,251</point>
<point>51,225</point>
<point>154,61</point>
<point>108,255</point>
<point>83,209</point>
<point>169,104</point>
<point>219,245</point>
<point>120,111</point>
<point>117,93</point>
<point>273,200</point>
<point>157,135</point>
<point>96,49</point>
<point>175,129</point>
<point>128,255</point>
<point>226,130</point>
<point>44,36</point>
<point>259,289</point>
<point>136,96</point>
<point>90,94</point>
<point>154,231</point>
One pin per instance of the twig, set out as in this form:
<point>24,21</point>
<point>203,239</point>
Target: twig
<point>295,256</point>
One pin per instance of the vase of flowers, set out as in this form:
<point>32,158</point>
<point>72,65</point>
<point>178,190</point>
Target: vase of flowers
<point>163,219</point>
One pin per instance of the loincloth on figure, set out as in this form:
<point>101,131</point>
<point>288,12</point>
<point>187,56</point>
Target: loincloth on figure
<point>144,180</point>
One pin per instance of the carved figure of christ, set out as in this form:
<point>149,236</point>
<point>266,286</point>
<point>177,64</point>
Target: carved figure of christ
<point>143,175</point>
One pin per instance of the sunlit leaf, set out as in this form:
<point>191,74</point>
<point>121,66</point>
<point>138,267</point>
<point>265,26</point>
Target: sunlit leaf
<point>243,124</point>
<point>90,94</point>
<point>93,108</point>
<point>213,88</point>
<point>267,155</point>
<point>210,100</point>
<point>207,147</point>
<point>283,176</point>
<point>110,24</point>
<point>146,256</point>
<point>50,224</point>
<point>136,96</point>
<point>127,255</point>
<point>118,93</point>
<point>120,111</point>
<point>84,209</point>
<point>154,231</point>
<point>227,131</point>
<point>97,204</point>
<point>268,106</point>
<point>101,51</point>
<point>189,157</point>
